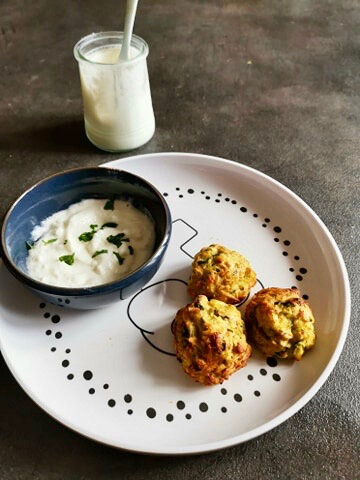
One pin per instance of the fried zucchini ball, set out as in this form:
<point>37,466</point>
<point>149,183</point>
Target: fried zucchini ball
<point>279,322</point>
<point>210,340</point>
<point>220,273</point>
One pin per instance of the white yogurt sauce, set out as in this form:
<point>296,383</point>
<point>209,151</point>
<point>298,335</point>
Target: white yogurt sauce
<point>117,100</point>
<point>57,237</point>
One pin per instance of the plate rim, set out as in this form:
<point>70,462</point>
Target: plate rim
<point>280,418</point>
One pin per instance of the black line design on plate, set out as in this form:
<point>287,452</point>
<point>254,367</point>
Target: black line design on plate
<point>244,300</point>
<point>143,331</point>
<point>188,240</point>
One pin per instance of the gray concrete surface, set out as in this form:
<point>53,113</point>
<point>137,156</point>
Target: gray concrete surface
<point>293,113</point>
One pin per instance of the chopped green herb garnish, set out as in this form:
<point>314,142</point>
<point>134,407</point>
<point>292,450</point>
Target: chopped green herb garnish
<point>29,245</point>
<point>65,242</point>
<point>68,259</point>
<point>117,239</point>
<point>47,242</point>
<point>109,205</point>
<point>109,225</point>
<point>131,250</point>
<point>87,236</point>
<point>98,252</point>
<point>119,258</point>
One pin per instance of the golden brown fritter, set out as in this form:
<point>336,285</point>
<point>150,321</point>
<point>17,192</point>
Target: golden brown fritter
<point>210,340</point>
<point>220,273</point>
<point>279,322</point>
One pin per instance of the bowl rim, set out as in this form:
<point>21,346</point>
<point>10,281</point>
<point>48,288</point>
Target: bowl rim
<point>95,289</point>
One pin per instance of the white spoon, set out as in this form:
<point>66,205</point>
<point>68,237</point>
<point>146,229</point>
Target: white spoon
<point>131,6</point>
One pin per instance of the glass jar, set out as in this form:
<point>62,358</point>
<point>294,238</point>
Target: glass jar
<point>118,110</point>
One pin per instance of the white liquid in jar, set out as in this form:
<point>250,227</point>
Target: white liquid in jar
<point>117,99</point>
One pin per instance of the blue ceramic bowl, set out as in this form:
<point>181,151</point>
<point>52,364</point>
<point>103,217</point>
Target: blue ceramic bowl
<point>57,193</point>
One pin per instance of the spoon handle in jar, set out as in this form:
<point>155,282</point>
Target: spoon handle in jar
<point>131,7</point>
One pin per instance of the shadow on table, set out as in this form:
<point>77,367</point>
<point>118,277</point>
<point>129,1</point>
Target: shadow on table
<point>57,135</point>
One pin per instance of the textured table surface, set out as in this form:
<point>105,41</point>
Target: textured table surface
<point>272,84</point>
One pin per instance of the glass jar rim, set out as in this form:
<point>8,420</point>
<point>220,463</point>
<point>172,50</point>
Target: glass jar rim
<point>136,41</point>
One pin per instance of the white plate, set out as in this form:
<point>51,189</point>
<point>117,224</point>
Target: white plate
<point>123,390</point>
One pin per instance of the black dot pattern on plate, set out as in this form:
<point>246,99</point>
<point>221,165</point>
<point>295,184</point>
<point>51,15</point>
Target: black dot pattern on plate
<point>151,412</point>
<point>293,287</point>
<point>180,405</point>
<point>203,407</point>
<point>266,220</point>
<point>305,297</point>
<point>88,375</point>
<point>271,361</point>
